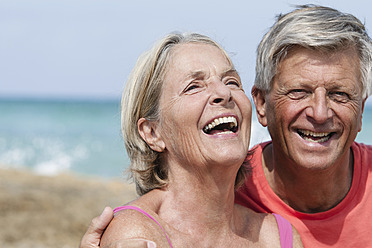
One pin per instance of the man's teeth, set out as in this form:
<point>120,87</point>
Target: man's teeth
<point>221,120</point>
<point>310,133</point>
<point>314,136</point>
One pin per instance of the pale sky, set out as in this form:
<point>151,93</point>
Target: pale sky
<point>86,48</point>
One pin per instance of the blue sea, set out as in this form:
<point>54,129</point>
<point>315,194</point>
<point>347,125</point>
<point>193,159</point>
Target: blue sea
<point>58,136</point>
<point>51,137</point>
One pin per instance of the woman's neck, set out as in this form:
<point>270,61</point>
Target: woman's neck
<point>203,200</point>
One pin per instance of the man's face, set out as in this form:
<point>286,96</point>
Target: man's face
<point>314,108</point>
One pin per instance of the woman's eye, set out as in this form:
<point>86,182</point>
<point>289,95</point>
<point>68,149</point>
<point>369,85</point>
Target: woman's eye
<point>297,94</point>
<point>191,87</point>
<point>233,83</point>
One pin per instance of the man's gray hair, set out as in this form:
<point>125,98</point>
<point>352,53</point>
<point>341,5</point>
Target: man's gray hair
<point>317,28</point>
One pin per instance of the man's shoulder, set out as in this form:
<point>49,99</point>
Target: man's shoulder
<point>362,153</point>
<point>362,147</point>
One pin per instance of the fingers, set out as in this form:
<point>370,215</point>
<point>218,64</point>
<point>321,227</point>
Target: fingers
<point>104,219</point>
<point>92,237</point>
<point>132,243</point>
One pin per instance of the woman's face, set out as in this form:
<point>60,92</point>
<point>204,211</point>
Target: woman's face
<point>205,116</point>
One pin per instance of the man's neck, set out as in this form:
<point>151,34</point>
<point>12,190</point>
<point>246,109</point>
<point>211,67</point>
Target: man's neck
<point>308,190</point>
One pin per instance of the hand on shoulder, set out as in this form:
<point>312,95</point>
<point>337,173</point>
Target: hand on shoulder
<point>131,243</point>
<point>92,237</point>
<point>130,226</point>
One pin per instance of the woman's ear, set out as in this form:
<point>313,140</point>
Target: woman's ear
<point>260,103</point>
<point>150,134</point>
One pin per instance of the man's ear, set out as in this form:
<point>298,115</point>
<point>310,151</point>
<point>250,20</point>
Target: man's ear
<point>361,116</point>
<point>150,134</point>
<point>260,103</point>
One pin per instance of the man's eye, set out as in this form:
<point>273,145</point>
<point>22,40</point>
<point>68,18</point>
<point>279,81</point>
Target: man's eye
<point>339,96</point>
<point>297,94</point>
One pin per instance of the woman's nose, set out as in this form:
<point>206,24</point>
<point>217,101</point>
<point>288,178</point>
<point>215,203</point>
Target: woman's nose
<point>221,93</point>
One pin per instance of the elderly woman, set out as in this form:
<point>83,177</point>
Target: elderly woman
<point>186,123</point>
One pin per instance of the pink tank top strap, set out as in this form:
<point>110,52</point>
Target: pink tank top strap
<point>145,213</point>
<point>285,231</point>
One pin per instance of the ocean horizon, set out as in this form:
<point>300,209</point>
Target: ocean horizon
<point>81,136</point>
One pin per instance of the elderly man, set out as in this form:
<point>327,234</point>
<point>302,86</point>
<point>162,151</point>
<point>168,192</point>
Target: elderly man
<point>313,76</point>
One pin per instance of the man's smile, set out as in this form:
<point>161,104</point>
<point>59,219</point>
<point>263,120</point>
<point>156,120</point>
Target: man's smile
<point>317,137</point>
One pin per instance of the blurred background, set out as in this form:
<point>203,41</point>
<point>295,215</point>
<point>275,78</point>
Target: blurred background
<point>63,65</point>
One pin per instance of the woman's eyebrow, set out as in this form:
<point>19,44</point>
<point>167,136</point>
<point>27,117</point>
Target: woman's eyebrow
<point>202,74</point>
<point>196,74</point>
<point>230,71</point>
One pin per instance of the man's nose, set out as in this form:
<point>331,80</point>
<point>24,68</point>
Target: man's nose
<point>319,109</point>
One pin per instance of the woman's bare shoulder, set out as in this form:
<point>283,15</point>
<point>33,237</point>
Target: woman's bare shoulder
<point>272,224</point>
<point>260,227</point>
<point>135,222</point>
<point>297,241</point>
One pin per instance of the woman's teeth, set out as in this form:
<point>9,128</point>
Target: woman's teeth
<point>223,124</point>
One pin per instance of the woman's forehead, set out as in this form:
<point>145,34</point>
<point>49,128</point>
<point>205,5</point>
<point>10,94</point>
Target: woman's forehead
<point>193,58</point>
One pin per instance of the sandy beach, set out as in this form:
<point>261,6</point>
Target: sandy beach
<point>43,211</point>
